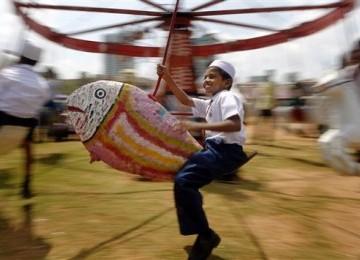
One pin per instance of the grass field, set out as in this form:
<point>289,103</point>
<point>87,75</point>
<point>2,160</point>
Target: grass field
<point>287,204</point>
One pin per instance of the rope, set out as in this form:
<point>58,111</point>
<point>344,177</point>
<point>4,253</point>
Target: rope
<point>172,24</point>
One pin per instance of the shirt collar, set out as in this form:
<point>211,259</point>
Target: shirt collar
<point>217,94</point>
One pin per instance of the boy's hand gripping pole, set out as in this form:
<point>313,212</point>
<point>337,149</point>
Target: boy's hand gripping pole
<point>171,29</point>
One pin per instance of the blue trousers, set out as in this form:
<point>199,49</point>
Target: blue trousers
<point>203,167</point>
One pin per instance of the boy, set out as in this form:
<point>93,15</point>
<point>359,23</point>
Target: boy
<point>223,152</point>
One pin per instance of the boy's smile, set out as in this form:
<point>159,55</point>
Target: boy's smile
<point>213,82</point>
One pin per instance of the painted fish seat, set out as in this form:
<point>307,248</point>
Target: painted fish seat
<point>122,126</point>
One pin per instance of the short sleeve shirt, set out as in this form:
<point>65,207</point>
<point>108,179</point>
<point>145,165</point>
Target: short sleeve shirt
<point>22,91</point>
<point>220,107</point>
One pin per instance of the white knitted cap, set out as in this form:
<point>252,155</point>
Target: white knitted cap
<point>31,51</point>
<point>225,66</point>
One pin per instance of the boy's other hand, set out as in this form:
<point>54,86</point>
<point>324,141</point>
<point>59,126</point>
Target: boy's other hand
<point>189,125</point>
<point>161,70</point>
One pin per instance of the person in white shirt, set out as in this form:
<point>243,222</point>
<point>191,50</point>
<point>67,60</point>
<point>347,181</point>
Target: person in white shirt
<point>223,152</point>
<point>355,61</point>
<point>23,92</point>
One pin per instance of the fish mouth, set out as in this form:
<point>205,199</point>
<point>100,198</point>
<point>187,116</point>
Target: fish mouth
<point>79,119</point>
<point>75,109</point>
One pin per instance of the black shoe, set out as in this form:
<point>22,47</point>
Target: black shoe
<point>203,246</point>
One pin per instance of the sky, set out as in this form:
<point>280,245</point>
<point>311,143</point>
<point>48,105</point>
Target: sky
<point>312,56</point>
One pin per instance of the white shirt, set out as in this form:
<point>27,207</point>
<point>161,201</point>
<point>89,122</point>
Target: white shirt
<point>23,92</point>
<point>220,107</point>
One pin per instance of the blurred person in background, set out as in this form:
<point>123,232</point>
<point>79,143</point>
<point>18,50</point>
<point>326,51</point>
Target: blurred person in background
<point>355,61</point>
<point>265,103</point>
<point>23,92</point>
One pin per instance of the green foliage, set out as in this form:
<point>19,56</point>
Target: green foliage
<point>69,86</point>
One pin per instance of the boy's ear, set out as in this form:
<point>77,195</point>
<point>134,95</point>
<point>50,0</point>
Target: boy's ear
<point>229,82</point>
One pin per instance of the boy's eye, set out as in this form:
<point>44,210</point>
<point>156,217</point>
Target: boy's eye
<point>209,76</point>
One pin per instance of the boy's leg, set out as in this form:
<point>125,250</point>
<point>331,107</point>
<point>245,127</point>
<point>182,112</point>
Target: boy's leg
<point>202,168</point>
<point>188,199</point>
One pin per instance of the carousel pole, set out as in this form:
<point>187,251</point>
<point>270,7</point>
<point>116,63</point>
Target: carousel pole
<point>171,29</point>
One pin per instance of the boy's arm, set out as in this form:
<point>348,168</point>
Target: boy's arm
<point>232,124</point>
<point>176,90</point>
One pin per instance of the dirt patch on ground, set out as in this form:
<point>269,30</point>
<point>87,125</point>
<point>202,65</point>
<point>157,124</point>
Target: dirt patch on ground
<point>341,222</point>
<point>281,233</point>
<point>309,206</point>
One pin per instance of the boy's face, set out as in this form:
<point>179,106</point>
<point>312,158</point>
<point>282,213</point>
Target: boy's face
<point>213,82</point>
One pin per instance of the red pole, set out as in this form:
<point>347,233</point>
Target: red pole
<point>172,24</point>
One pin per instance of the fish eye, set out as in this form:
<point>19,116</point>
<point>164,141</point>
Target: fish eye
<point>100,93</point>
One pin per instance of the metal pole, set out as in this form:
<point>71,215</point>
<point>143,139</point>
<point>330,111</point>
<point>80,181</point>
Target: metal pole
<point>172,24</point>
